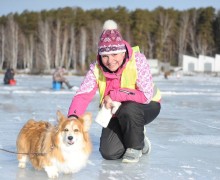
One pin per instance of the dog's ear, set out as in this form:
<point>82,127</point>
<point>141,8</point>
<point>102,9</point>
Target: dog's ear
<point>87,121</point>
<point>60,116</point>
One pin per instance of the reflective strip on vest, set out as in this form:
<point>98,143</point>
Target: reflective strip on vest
<point>156,94</point>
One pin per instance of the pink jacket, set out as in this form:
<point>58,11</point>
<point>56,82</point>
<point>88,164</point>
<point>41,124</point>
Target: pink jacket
<point>142,94</point>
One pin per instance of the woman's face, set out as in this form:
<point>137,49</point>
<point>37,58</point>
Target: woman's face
<point>113,61</point>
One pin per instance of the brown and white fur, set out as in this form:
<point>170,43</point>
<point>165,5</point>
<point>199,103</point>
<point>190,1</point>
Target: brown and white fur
<point>65,147</point>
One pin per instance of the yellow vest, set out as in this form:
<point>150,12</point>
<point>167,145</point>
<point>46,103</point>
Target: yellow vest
<point>128,78</point>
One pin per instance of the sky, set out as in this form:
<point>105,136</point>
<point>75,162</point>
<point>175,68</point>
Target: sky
<point>12,6</point>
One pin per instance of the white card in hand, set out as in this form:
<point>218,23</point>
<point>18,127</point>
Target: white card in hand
<point>103,117</point>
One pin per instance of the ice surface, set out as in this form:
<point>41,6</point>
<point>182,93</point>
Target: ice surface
<point>185,137</point>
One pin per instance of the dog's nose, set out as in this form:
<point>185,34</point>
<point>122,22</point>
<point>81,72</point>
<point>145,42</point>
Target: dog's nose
<point>70,138</point>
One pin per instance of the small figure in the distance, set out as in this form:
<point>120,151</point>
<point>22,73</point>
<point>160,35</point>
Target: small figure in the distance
<point>166,74</point>
<point>58,76</point>
<point>9,77</point>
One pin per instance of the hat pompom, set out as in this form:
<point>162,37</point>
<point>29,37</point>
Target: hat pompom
<point>110,24</point>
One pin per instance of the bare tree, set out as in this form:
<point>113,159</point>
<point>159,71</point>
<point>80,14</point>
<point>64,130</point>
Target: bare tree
<point>12,42</point>
<point>202,45</point>
<point>57,43</point>
<point>31,52</point>
<point>96,29</point>
<point>44,34</point>
<point>64,47</point>
<point>165,25</point>
<point>28,52</point>
<point>150,45</point>
<point>182,40</point>
<point>82,55</point>
<point>198,39</point>
<point>72,50</point>
<point>2,43</point>
<point>22,58</point>
<point>192,33</point>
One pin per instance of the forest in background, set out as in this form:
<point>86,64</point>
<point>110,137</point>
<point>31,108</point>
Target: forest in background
<point>38,42</point>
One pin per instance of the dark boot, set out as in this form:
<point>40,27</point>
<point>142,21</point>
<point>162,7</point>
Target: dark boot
<point>68,85</point>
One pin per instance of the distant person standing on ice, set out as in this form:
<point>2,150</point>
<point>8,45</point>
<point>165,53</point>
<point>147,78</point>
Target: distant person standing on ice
<point>122,74</point>
<point>58,76</point>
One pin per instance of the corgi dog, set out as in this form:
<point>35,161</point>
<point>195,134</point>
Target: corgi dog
<point>63,148</point>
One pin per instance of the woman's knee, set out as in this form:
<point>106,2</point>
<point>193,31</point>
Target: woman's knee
<point>110,154</point>
<point>152,112</point>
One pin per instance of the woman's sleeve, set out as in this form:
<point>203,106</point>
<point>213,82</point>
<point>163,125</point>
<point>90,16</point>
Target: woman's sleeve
<point>144,80</point>
<point>84,95</point>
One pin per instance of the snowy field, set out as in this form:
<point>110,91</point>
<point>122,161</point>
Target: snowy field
<point>185,137</point>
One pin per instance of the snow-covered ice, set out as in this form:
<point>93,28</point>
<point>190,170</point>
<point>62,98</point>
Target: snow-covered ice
<point>185,136</point>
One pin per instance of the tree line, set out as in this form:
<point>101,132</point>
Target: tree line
<point>40,41</point>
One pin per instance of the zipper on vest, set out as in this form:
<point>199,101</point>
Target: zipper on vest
<point>127,92</point>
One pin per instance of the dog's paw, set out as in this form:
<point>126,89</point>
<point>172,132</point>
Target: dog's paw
<point>52,172</point>
<point>22,165</point>
<point>115,105</point>
<point>52,175</point>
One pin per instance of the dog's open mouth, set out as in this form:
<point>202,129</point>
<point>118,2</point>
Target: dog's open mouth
<point>70,142</point>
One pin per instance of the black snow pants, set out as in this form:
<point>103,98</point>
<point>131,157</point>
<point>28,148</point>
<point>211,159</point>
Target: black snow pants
<point>126,128</point>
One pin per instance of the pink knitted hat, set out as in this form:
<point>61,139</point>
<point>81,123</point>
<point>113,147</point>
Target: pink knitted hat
<point>111,41</point>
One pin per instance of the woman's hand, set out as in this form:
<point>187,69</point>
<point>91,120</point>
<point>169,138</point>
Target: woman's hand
<point>107,102</point>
